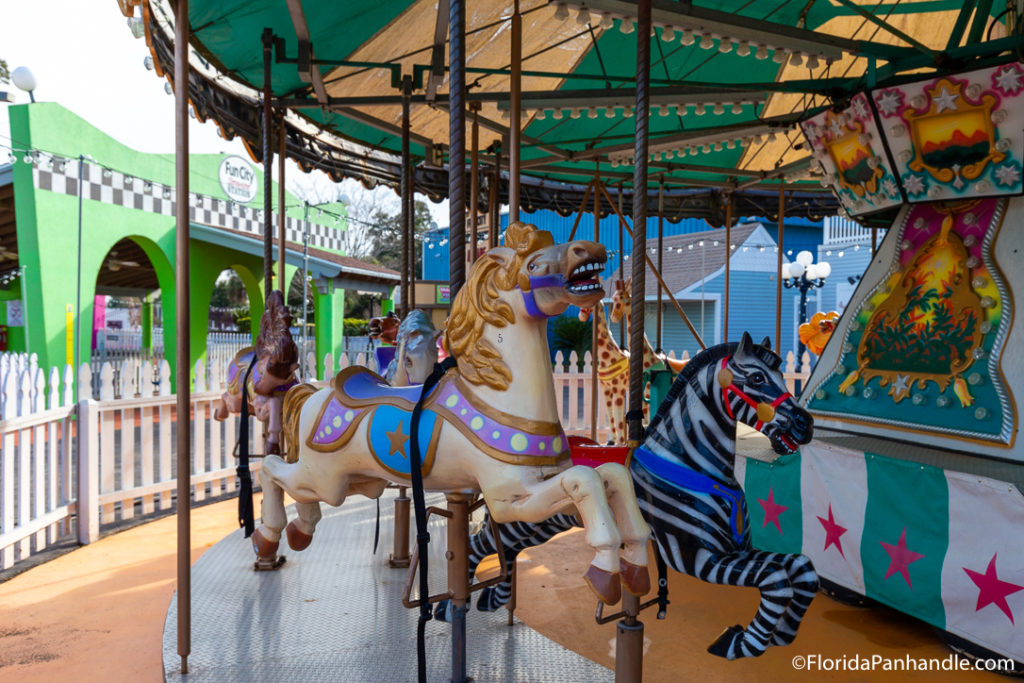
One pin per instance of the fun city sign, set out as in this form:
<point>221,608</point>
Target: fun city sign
<point>238,179</point>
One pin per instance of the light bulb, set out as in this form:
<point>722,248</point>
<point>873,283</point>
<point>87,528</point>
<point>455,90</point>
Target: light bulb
<point>780,56</point>
<point>737,107</point>
<point>707,42</point>
<point>626,26</point>
<point>744,49</point>
<point>583,17</point>
<point>719,109</point>
<point>796,59</point>
<point>607,21</point>
<point>762,52</point>
<point>725,45</point>
<point>812,61</point>
<point>700,109</point>
<point>824,269</point>
<point>561,12</point>
<point>668,33</point>
<point>687,37</point>
<point>805,258</point>
<point>592,113</point>
<point>663,110</point>
<point>574,113</point>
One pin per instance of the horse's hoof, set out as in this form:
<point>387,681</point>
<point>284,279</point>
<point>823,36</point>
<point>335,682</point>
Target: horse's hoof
<point>297,539</point>
<point>605,584</point>
<point>266,552</point>
<point>635,578</point>
<point>274,448</point>
<point>725,644</point>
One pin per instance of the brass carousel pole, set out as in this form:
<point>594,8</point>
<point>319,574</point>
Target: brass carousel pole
<point>495,200</point>
<point>181,284</point>
<point>622,271</point>
<point>629,642</point>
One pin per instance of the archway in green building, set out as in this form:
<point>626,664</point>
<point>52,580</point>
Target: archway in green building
<point>127,312</point>
<point>236,305</point>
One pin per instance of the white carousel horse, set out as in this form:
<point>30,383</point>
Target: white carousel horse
<point>417,351</point>
<point>489,426</point>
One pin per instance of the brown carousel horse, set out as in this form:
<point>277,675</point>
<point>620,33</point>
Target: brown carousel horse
<point>490,425</point>
<point>276,356</point>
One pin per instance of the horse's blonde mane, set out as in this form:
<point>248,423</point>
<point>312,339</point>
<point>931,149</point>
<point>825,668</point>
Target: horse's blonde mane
<point>477,304</point>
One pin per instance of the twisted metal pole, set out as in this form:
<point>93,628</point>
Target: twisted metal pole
<point>515,112</point>
<point>629,640</point>
<point>408,264</point>
<point>268,161</point>
<point>456,148</point>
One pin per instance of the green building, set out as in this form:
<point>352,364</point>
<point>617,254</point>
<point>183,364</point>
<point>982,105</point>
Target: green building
<point>124,227</point>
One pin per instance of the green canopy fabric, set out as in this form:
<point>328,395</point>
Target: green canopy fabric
<point>721,118</point>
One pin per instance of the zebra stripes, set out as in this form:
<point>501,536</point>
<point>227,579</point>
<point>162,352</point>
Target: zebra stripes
<point>694,531</point>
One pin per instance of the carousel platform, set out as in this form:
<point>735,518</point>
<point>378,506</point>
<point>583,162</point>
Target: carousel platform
<point>334,613</point>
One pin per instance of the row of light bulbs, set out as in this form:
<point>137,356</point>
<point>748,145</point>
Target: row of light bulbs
<point>613,110</point>
<point>694,150</point>
<point>688,36</point>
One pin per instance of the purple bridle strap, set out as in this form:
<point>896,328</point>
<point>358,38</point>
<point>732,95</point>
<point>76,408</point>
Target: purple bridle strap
<point>540,282</point>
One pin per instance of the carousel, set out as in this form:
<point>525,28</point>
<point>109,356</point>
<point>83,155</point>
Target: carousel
<point>897,463</point>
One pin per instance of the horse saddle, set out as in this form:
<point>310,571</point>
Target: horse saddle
<point>361,394</point>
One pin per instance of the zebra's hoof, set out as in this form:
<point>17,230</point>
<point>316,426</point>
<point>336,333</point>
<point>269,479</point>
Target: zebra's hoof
<point>635,578</point>
<point>297,539</point>
<point>605,584</point>
<point>726,644</point>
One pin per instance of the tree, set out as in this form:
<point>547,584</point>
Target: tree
<point>388,238</point>
<point>5,73</point>
<point>229,291</point>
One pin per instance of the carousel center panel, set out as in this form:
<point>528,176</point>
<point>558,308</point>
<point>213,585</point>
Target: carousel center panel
<point>910,493</point>
<point>334,613</point>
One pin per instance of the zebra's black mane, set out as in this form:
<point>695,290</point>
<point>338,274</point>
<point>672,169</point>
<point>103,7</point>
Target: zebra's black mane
<point>690,374</point>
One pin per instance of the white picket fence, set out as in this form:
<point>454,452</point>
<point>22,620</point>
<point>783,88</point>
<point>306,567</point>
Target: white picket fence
<point>71,468</point>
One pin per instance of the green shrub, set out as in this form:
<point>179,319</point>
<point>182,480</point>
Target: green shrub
<point>355,327</point>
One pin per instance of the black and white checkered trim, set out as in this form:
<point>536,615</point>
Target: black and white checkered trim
<point>114,187</point>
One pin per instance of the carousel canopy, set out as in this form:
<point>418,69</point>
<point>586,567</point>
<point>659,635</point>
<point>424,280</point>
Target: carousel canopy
<point>729,81</point>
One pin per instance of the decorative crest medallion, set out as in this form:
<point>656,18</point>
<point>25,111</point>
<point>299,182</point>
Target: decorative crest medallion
<point>954,138</point>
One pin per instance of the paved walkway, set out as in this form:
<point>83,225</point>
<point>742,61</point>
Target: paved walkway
<point>98,613</point>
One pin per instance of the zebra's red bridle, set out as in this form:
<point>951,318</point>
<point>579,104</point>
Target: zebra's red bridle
<point>765,411</point>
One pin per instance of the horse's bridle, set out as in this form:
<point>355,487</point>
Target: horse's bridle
<point>765,411</point>
<point>539,282</point>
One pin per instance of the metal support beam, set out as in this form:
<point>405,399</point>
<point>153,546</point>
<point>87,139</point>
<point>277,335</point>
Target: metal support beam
<point>181,284</point>
<point>515,113</point>
<point>885,26</point>
<point>474,182</point>
<point>495,200</point>
<point>281,252</point>
<point>593,318</point>
<point>408,263</point>
<point>661,252</point>
<point>309,71</point>
<point>268,165</point>
<point>436,76</point>
<point>778,271</point>
<point>728,255</point>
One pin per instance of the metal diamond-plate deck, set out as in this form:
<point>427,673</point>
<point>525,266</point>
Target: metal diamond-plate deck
<point>333,613</point>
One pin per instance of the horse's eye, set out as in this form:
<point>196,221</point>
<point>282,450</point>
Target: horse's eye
<point>756,378</point>
<point>533,266</point>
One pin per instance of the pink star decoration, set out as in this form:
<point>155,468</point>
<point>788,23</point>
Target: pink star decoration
<point>992,590</point>
<point>772,510</point>
<point>833,532</point>
<point>900,558</point>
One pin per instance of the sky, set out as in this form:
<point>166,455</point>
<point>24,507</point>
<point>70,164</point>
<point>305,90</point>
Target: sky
<point>84,56</point>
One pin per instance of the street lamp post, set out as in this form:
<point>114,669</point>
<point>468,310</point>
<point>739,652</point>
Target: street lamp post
<point>803,274</point>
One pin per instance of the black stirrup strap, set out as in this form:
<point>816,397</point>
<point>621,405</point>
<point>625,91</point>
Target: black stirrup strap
<point>422,535</point>
<point>245,508</point>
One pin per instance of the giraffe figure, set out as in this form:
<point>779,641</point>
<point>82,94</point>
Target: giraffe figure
<point>621,307</point>
<point>612,372</point>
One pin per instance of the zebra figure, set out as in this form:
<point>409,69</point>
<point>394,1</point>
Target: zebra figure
<point>688,494</point>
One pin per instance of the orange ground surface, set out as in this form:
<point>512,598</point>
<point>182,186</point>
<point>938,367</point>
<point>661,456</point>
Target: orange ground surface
<point>97,614</point>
